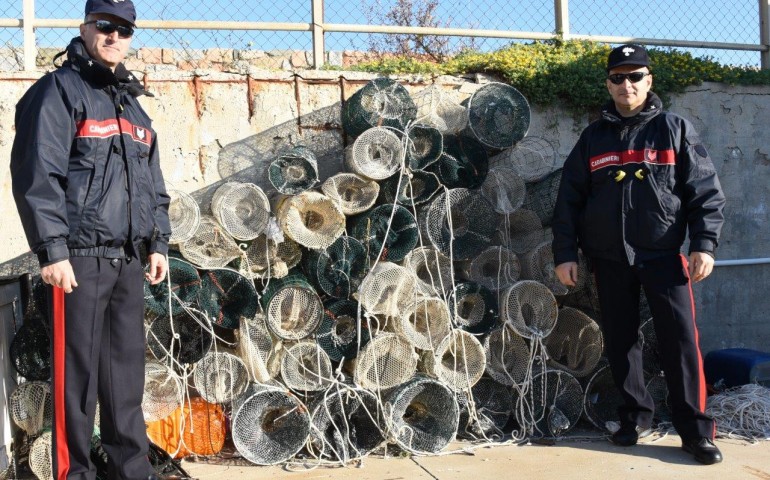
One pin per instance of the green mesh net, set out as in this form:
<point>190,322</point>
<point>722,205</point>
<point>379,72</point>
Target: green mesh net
<point>339,335</point>
<point>424,146</point>
<point>474,308</point>
<point>460,223</point>
<point>292,307</point>
<point>464,163</point>
<point>381,102</point>
<point>294,171</point>
<point>226,296</point>
<point>388,231</point>
<point>185,285</point>
<point>498,115</point>
<point>338,269</point>
<point>411,188</point>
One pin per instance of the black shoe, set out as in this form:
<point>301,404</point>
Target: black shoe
<point>628,434</point>
<point>704,450</point>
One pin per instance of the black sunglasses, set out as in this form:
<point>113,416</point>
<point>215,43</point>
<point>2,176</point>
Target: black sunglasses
<point>107,27</point>
<point>619,78</point>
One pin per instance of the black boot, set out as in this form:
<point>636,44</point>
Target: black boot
<point>628,434</point>
<point>703,449</point>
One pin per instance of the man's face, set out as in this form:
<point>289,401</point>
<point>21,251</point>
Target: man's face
<point>629,96</point>
<point>109,49</point>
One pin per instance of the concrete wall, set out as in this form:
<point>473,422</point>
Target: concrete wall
<point>214,126</point>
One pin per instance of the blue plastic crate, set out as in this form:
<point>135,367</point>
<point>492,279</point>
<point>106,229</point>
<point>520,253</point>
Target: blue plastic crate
<point>737,366</point>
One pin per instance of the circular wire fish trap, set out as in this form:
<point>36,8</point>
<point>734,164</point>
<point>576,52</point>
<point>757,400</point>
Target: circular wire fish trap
<point>294,171</point>
<point>459,360</point>
<point>162,391</point>
<point>507,355</point>
<point>184,215</point>
<point>388,289</point>
<point>30,350</point>
<point>265,258</point>
<point>385,362</point>
<point>432,269</point>
<point>183,291</point>
<point>255,348</point>
<point>575,344</point>
<point>538,265</point>
<point>410,188</point>
<point>197,427</point>
<point>227,296</point>
<point>186,337</point>
<point>532,158</point>
<point>242,209</point>
<point>602,398</point>
<point>530,308</point>
<point>211,246</point>
<point>423,415</point>
<point>498,115</point>
<point>387,232</point>
<point>521,231</point>
<point>40,456</point>
<point>424,146</point>
<point>486,413</point>
<point>269,425</point>
<point>460,223</point>
<point>558,402</point>
<point>293,308</point>
<point>306,367</point>
<point>504,189</point>
<point>377,154</point>
<point>311,219</point>
<point>339,333</point>
<point>353,193</point>
<point>381,102</point>
<point>474,308</point>
<point>496,268</point>
<point>435,107</point>
<point>464,163</point>
<point>346,424</point>
<point>30,407</point>
<point>541,197</point>
<point>220,377</point>
<point>425,323</point>
<point>338,269</point>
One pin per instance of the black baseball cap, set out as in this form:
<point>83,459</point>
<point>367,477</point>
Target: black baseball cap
<point>628,54</point>
<point>120,8</point>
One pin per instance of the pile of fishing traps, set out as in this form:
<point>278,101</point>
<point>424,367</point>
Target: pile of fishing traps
<point>406,300</point>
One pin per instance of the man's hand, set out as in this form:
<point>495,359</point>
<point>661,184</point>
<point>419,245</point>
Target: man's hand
<point>158,268</point>
<point>567,273</point>
<point>701,265</point>
<point>59,274</point>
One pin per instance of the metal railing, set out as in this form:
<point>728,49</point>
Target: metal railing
<point>319,30</point>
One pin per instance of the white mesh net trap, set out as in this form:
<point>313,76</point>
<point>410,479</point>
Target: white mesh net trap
<point>538,265</point>
<point>256,349</point>
<point>30,407</point>
<point>184,215</point>
<point>267,257</point>
<point>293,309</point>
<point>460,360</point>
<point>294,171</point>
<point>305,367</point>
<point>557,403</point>
<point>532,158</point>
<point>425,323</point>
<point>211,246</point>
<point>40,457</point>
<point>269,425</point>
<point>495,267</point>
<point>436,107</point>
<point>507,356</point>
<point>242,209</point>
<point>220,377</point>
<point>353,193</point>
<point>575,344</point>
<point>530,308</point>
<point>422,415</point>
<point>498,115</point>
<point>381,102</point>
<point>432,269</point>
<point>504,189</point>
<point>388,289</point>
<point>162,391</point>
<point>377,154</point>
<point>311,219</point>
<point>385,362</point>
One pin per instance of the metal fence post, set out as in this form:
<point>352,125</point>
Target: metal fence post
<point>318,33</point>
<point>30,50</point>
<point>764,32</point>
<point>561,12</point>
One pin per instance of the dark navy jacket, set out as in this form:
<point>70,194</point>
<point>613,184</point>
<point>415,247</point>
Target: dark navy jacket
<point>84,164</point>
<point>637,219</point>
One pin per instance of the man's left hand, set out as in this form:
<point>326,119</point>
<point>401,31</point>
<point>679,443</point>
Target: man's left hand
<point>701,265</point>
<point>158,268</point>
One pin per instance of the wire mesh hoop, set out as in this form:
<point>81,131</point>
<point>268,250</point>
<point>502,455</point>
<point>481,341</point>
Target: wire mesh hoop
<point>460,360</point>
<point>377,154</point>
<point>388,289</point>
<point>492,404</point>
<point>346,424</point>
<point>474,308</point>
<point>40,456</point>
<point>425,323</point>
<point>184,216</point>
<point>220,377</point>
<point>242,209</point>
<point>602,398</point>
<point>30,407</point>
<point>410,188</point>
<point>532,158</point>
<point>558,402</point>
<point>507,356</point>
<point>388,232</point>
<point>575,344</point>
<point>460,223</point>
<point>424,146</point>
<point>435,107</point>
<point>541,197</point>
<point>311,219</point>
<point>306,367</point>
<point>496,268</point>
<point>432,269</point>
<point>186,337</point>
<point>504,189</point>
<point>538,265</point>
<point>183,291</point>
<point>227,296</point>
<point>269,425</point>
<point>353,193</point>
<point>521,231</point>
<point>498,115</point>
<point>381,102</point>
<point>464,163</point>
<point>423,415</point>
<point>294,171</point>
<point>211,246</point>
<point>162,391</point>
<point>255,347</point>
<point>341,335</point>
<point>293,308</point>
<point>530,308</point>
<point>338,269</point>
<point>385,362</point>
<point>264,258</point>
<point>30,350</point>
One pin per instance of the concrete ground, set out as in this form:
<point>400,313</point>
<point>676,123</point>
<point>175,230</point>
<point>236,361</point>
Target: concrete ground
<point>577,457</point>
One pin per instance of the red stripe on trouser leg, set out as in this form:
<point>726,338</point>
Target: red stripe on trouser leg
<point>62,451</point>
<point>701,374</point>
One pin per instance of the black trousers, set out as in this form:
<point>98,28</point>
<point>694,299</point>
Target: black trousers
<point>667,286</point>
<point>98,349</point>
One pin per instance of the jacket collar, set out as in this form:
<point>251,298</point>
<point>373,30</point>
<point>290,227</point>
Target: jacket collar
<point>652,107</point>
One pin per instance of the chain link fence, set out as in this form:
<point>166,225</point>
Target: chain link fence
<point>693,20</point>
